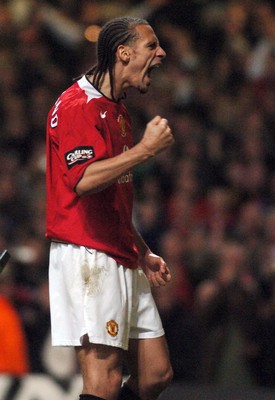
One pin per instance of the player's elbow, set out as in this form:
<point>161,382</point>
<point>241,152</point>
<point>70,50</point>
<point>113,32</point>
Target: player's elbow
<point>84,188</point>
<point>79,191</point>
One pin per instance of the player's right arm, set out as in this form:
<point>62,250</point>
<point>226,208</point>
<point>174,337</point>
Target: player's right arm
<point>100,174</point>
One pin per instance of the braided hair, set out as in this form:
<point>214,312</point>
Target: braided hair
<point>118,31</point>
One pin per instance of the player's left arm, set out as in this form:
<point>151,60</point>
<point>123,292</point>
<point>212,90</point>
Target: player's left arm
<point>154,266</point>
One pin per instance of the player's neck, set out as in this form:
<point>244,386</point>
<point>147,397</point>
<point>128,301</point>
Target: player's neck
<point>105,88</point>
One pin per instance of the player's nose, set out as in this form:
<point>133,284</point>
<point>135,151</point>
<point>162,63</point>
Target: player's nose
<point>160,52</point>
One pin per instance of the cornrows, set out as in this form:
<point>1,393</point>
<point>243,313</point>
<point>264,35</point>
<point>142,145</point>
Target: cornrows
<point>114,33</point>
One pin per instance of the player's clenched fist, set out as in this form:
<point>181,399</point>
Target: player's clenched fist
<point>157,136</point>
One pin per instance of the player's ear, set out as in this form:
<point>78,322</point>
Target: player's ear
<point>123,53</point>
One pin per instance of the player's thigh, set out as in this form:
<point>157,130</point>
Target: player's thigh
<point>148,359</point>
<point>100,366</point>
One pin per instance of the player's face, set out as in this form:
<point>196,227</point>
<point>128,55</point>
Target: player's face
<point>145,55</point>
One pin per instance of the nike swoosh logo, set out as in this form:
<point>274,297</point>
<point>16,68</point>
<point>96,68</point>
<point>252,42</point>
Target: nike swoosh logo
<point>103,114</point>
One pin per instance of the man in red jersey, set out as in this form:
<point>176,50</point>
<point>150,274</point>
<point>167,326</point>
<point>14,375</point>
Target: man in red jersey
<point>100,268</point>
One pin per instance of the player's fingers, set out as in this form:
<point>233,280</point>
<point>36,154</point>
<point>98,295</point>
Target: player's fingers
<point>159,279</point>
<point>170,135</point>
<point>166,276</point>
<point>156,120</point>
<point>153,280</point>
<point>169,132</point>
<point>163,123</point>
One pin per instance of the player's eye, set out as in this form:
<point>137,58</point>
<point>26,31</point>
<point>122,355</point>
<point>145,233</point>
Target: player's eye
<point>152,45</point>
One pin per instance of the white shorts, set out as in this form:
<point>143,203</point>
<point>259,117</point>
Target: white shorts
<point>90,293</point>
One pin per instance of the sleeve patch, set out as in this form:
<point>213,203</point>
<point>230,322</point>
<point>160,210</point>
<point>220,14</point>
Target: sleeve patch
<point>79,155</point>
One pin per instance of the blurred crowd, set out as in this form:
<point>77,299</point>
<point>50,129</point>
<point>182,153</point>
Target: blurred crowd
<point>207,205</point>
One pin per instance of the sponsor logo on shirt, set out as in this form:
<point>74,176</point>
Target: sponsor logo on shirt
<point>79,155</point>
<point>127,178</point>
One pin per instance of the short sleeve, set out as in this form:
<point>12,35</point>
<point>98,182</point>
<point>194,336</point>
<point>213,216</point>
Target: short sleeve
<point>80,144</point>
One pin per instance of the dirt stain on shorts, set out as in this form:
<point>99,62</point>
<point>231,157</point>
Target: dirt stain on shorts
<point>93,278</point>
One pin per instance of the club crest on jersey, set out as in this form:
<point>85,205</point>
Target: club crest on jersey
<point>122,125</point>
<point>79,155</point>
<point>112,328</point>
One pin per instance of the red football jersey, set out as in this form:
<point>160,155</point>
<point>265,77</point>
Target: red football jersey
<point>83,127</point>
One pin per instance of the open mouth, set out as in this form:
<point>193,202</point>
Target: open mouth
<point>150,69</point>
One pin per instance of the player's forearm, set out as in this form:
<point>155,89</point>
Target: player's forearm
<point>103,173</point>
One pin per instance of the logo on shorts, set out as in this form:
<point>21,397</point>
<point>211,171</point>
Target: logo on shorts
<point>79,155</point>
<point>112,328</point>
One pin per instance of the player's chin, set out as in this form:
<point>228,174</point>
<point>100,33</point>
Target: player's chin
<point>143,89</point>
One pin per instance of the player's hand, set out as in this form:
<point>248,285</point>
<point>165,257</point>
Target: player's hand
<point>157,136</point>
<point>156,270</point>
